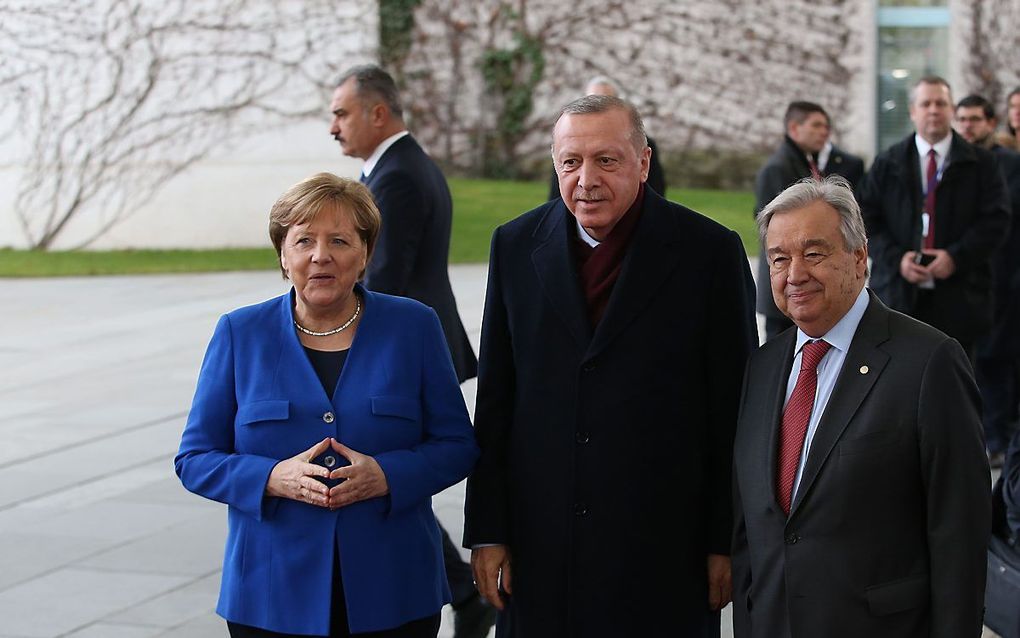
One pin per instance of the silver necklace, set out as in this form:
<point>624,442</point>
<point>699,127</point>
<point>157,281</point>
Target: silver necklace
<point>347,324</point>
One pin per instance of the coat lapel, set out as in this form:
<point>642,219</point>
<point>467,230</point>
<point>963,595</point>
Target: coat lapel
<point>777,394</point>
<point>911,178</point>
<point>557,273</point>
<point>852,386</point>
<point>650,259</point>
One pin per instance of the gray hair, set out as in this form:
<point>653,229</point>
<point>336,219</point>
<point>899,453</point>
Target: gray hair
<point>602,79</point>
<point>603,104</point>
<point>371,81</point>
<point>835,191</point>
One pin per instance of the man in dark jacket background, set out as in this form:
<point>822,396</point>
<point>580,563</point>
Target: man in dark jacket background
<point>936,211</point>
<point>998,355</point>
<point>804,152</point>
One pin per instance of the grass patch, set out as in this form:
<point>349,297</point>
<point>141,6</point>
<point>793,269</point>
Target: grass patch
<point>479,207</point>
<point>76,263</point>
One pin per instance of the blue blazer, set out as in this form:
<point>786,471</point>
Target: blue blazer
<point>259,401</point>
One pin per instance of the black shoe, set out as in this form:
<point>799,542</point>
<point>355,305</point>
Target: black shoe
<point>473,619</point>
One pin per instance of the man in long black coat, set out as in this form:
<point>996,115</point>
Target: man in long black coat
<point>805,143</point>
<point>614,337</point>
<point>952,292</point>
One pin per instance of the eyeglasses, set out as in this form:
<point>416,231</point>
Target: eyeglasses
<point>971,119</point>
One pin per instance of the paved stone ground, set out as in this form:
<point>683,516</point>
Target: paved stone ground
<point>98,538</point>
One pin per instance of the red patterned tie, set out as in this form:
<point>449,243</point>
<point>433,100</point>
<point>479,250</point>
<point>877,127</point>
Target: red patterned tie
<point>815,173</point>
<point>795,421</point>
<point>929,198</point>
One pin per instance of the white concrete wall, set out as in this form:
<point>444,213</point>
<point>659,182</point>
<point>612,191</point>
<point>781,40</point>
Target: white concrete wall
<point>221,202</point>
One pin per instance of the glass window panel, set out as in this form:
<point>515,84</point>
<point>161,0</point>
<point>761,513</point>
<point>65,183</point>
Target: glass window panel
<point>913,3</point>
<point>905,54</point>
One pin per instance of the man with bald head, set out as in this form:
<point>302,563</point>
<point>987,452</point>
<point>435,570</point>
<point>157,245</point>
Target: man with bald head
<point>614,336</point>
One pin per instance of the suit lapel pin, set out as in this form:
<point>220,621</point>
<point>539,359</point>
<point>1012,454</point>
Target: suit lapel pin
<point>864,369</point>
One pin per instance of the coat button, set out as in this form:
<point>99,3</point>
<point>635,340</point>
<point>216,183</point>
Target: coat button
<point>329,460</point>
<point>792,539</point>
<point>328,417</point>
<point>582,437</point>
<point>580,509</point>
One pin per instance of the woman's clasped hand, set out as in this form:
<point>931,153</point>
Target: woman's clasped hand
<point>298,478</point>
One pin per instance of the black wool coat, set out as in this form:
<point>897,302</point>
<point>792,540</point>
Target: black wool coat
<point>606,453</point>
<point>971,221</point>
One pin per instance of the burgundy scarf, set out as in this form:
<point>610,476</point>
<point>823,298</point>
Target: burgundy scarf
<point>599,267</point>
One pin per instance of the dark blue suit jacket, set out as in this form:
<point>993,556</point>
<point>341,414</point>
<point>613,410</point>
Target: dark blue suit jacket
<point>259,401</point>
<point>412,255</point>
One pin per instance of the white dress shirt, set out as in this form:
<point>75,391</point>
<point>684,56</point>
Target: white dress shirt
<point>384,146</point>
<point>839,337</point>
<point>823,157</point>
<point>941,154</point>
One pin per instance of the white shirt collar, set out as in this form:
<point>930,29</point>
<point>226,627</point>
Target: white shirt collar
<point>823,156</point>
<point>941,147</point>
<point>377,154</point>
<point>841,334</point>
<point>585,237</point>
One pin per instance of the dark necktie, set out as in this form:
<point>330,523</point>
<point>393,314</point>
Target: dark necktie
<point>815,173</point>
<point>796,417</point>
<point>931,179</point>
<point>363,179</point>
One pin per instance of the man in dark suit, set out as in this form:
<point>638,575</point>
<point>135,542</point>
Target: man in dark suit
<point>412,252</point>
<point>998,354</point>
<point>615,332</point>
<point>936,210</point>
<point>861,487</point>
<point>805,152</point>
<point>601,85</point>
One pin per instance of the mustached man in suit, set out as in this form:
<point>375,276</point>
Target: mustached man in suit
<point>861,485</point>
<point>411,256</point>
<point>615,333</point>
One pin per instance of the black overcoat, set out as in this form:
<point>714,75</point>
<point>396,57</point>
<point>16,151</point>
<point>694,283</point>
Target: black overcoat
<point>606,454</point>
<point>971,221</point>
